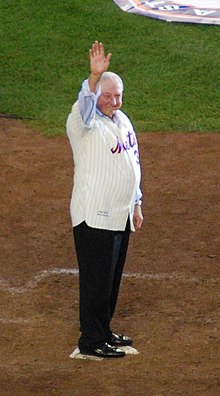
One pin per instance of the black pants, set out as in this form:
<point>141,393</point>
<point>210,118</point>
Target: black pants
<point>101,256</point>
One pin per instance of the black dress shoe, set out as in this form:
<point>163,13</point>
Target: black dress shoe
<point>105,351</point>
<point>120,340</point>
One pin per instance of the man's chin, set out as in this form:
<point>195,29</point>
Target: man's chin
<point>111,113</point>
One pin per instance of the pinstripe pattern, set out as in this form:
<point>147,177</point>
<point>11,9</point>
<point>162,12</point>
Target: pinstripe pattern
<point>106,185</point>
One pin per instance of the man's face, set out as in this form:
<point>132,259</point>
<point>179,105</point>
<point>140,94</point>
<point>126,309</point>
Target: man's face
<point>110,99</point>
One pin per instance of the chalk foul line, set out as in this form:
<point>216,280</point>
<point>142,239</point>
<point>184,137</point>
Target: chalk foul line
<point>41,275</point>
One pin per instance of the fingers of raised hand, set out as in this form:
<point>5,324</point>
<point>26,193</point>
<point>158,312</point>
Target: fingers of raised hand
<point>97,49</point>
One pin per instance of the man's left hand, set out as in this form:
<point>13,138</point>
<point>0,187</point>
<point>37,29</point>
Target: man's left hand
<point>138,217</point>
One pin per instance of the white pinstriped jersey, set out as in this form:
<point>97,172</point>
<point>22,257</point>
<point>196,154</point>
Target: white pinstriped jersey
<point>107,170</point>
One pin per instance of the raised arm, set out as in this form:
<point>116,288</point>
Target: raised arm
<point>99,63</point>
<point>89,93</point>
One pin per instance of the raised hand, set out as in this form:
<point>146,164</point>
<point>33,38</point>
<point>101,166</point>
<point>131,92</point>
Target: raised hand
<point>99,63</point>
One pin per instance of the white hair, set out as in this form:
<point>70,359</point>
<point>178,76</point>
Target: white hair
<point>113,77</point>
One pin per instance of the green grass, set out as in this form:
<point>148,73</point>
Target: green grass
<point>170,71</point>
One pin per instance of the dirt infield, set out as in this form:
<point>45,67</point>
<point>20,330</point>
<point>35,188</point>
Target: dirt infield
<point>169,300</point>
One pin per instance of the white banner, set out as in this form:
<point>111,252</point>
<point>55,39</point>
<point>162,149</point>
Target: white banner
<point>194,11</point>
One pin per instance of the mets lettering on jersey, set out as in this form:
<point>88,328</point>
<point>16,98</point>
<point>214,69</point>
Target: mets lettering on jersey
<point>128,144</point>
<point>107,170</point>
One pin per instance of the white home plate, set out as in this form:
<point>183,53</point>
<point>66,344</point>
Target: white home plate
<point>77,355</point>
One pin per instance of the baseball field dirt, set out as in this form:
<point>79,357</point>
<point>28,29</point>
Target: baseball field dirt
<point>169,298</point>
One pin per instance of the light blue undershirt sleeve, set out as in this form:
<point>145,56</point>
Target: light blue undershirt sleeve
<point>138,197</point>
<point>87,101</point>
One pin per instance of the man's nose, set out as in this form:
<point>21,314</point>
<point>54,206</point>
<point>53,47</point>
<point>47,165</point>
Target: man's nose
<point>113,101</point>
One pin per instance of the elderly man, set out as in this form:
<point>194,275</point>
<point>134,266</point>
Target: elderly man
<point>105,203</point>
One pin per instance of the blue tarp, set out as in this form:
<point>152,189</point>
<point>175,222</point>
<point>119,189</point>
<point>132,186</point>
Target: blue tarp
<point>194,11</point>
